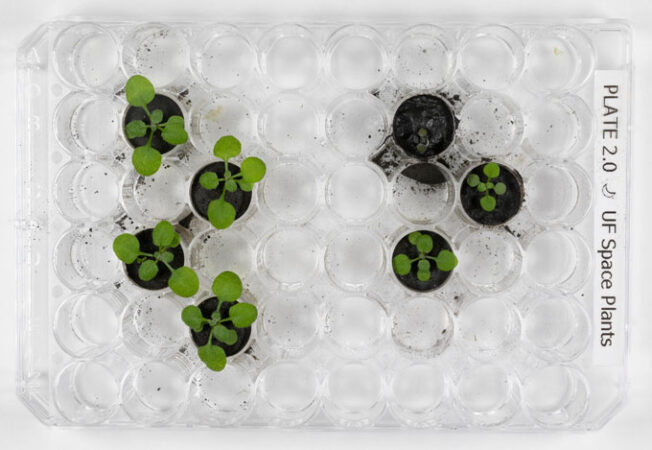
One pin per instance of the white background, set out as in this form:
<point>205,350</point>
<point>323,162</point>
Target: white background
<point>631,429</point>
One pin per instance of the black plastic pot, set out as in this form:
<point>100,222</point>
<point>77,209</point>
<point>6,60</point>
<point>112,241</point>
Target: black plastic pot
<point>437,277</point>
<point>201,197</point>
<point>424,125</point>
<point>160,281</point>
<point>207,307</point>
<point>507,205</point>
<point>164,103</point>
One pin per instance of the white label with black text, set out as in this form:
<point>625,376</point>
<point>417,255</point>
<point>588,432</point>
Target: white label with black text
<point>611,223</point>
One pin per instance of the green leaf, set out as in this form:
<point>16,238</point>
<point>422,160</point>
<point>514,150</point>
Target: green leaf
<point>226,335</point>
<point>209,180</point>
<point>500,188</point>
<point>192,316</point>
<point>213,356</point>
<point>156,116</point>
<point>227,147</point>
<point>176,241</point>
<point>245,186</point>
<point>163,234</point>
<point>139,90</point>
<point>227,286</point>
<point>423,133</point>
<point>147,270</point>
<point>491,170</point>
<point>252,169</point>
<point>482,187</point>
<point>488,203</point>
<point>221,213</point>
<point>184,282</point>
<point>413,237</point>
<point>473,180</point>
<point>421,148</point>
<point>126,247</point>
<point>446,261</point>
<point>231,186</point>
<point>401,264</point>
<point>174,132</point>
<point>423,265</point>
<point>136,128</point>
<point>423,275</point>
<point>243,314</point>
<point>424,243</point>
<point>166,257</point>
<point>146,160</point>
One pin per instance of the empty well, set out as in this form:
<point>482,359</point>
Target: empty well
<point>290,256</point>
<point>424,193</point>
<point>419,394</point>
<point>155,391</point>
<point>86,55</point>
<point>356,124</point>
<point>223,57</point>
<point>558,59</point>
<point>222,398</point>
<point>558,194</point>
<point>87,324</point>
<point>221,115</point>
<point>424,57</point>
<point>354,394</point>
<point>489,260</point>
<point>558,127</point>
<point>556,395</point>
<point>152,325</point>
<point>558,259</point>
<point>290,124</point>
<point>355,326</point>
<point>555,327</point>
<point>490,125</point>
<point>422,327</point>
<point>487,394</point>
<point>290,323</point>
<point>289,56</point>
<point>215,251</point>
<point>156,51</point>
<point>355,192</point>
<point>491,57</point>
<point>354,259</point>
<point>161,196</point>
<point>487,327</point>
<point>291,191</point>
<point>356,57</point>
<point>87,392</point>
<point>290,392</point>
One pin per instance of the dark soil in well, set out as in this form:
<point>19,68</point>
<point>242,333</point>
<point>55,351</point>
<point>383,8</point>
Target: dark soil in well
<point>201,197</point>
<point>164,103</point>
<point>425,173</point>
<point>424,112</point>
<point>507,205</point>
<point>207,307</point>
<point>160,281</point>
<point>437,277</point>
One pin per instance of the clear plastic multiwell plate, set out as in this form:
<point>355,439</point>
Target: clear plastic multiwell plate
<point>530,330</point>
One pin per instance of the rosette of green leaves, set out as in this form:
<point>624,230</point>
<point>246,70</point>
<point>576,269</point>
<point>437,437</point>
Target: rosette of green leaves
<point>183,281</point>
<point>220,212</point>
<point>444,261</point>
<point>491,171</point>
<point>146,159</point>
<point>227,287</point>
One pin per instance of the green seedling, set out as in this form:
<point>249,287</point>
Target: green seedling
<point>491,171</point>
<point>445,261</point>
<point>422,145</point>
<point>220,212</point>
<point>183,281</point>
<point>146,159</point>
<point>227,287</point>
